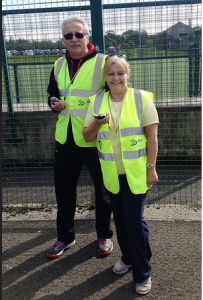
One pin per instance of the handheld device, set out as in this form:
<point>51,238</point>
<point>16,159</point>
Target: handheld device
<point>100,117</point>
<point>54,102</point>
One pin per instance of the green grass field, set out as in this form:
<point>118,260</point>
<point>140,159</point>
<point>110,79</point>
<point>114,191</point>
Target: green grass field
<point>166,78</point>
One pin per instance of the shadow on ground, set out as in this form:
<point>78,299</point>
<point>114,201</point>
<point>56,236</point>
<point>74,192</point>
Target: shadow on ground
<point>80,273</point>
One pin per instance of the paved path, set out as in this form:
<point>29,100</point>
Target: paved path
<point>80,273</point>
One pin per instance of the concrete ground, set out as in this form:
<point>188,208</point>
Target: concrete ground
<point>174,220</point>
<point>80,273</point>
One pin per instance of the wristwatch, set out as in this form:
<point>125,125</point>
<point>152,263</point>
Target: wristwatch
<point>151,165</point>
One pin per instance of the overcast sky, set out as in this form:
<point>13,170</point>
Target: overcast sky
<point>46,26</point>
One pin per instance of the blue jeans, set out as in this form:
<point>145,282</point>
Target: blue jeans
<point>132,230</point>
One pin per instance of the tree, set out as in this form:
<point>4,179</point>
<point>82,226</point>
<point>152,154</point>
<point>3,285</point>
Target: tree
<point>111,39</point>
<point>164,42</point>
<point>178,42</point>
<point>144,37</point>
<point>149,43</point>
<point>133,37</point>
<point>190,37</point>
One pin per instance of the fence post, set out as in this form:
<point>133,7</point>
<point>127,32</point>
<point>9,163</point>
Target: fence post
<point>8,89</point>
<point>196,71</point>
<point>97,24</point>
<point>191,78</point>
<point>197,56</point>
<point>197,67</point>
<point>16,83</point>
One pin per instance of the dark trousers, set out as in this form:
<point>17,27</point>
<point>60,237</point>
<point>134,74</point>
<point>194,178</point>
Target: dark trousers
<point>68,162</point>
<point>132,230</point>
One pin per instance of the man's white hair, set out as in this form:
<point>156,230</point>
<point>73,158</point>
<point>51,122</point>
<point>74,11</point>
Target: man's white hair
<point>75,19</point>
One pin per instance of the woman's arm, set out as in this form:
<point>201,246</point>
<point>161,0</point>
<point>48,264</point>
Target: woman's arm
<point>90,132</point>
<point>151,132</point>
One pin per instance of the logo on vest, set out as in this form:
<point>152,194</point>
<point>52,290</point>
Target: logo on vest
<point>100,144</point>
<point>81,102</point>
<point>133,142</point>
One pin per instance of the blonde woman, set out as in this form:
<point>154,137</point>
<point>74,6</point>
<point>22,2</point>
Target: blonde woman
<point>127,147</point>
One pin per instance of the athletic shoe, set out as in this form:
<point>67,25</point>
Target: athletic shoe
<point>105,246</point>
<point>58,248</point>
<point>121,268</point>
<point>143,287</point>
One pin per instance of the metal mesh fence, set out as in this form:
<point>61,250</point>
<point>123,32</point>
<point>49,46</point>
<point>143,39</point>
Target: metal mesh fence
<point>162,42</point>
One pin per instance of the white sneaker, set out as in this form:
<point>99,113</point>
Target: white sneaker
<point>143,287</point>
<point>121,268</point>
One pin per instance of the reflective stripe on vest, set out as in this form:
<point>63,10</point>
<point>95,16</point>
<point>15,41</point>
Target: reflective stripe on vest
<point>139,106</point>
<point>65,112</point>
<point>125,131</point>
<point>78,113</point>
<point>59,65</point>
<point>95,81</point>
<point>126,154</point>
<point>74,112</point>
<point>98,101</point>
<point>77,93</point>
<point>131,131</point>
<point>103,135</point>
<point>106,156</point>
<point>64,93</point>
<point>132,136</point>
<point>134,154</point>
<point>97,70</point>
<point>76,97</point>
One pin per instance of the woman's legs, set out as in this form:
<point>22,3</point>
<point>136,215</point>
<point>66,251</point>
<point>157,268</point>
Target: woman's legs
<point>117,207</point>
<point>132,230</point>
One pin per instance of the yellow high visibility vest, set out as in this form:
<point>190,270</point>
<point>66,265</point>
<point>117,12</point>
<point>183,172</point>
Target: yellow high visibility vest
<point>88,81</point>
<point>132,139</point>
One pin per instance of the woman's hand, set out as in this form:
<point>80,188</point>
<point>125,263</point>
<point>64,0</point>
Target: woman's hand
<point>152,177</point>
<point>60,104</point>
<point>151,132</point>
<point>104,120</point>
<point>90,132</point>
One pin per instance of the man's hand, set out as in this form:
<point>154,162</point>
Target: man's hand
<point>59,104</point>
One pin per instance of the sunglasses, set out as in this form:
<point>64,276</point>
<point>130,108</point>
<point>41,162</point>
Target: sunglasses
<point>118,55</point>
<point>78,35</point>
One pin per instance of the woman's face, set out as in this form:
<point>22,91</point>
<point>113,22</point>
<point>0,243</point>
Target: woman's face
<point>117,79</point>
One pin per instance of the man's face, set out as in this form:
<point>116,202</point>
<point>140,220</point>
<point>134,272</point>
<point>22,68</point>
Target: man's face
<point>77,47</point>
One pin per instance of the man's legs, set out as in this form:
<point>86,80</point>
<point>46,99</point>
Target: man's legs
<point>68,164</point>
<point>67,169</point>
<point>103,207</point>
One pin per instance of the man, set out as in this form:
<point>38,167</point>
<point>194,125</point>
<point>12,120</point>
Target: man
<point>74,78</point>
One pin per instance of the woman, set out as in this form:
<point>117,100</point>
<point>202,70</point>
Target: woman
<point>127,146</point>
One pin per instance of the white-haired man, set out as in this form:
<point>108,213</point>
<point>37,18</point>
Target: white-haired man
<point>74,78</point>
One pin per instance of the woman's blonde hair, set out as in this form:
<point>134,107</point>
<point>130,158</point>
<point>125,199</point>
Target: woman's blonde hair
<point>119,60</point>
